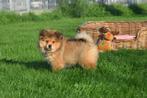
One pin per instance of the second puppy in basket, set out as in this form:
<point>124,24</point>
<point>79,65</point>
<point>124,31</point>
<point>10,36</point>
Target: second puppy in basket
<point>61,52</point>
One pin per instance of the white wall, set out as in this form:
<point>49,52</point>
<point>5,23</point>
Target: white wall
<point>19,5</point>
<point>0,4</point>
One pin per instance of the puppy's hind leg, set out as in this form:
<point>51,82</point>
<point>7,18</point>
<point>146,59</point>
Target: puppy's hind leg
<point>89,59</point>
<point>89,65</point>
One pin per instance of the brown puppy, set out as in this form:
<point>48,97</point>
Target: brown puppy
<point>61,52</point>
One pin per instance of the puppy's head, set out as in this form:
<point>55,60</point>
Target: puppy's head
<point>50,40</point>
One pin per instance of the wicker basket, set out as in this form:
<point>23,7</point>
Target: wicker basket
<point>139,29</point>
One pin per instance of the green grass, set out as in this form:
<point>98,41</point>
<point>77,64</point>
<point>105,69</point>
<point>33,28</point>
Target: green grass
<point>25,74</point>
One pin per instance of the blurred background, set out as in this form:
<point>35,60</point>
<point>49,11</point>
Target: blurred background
<point>38,10</point>
<point>47,5</point>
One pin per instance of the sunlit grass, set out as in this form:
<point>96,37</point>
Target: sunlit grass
<point>25,74</point>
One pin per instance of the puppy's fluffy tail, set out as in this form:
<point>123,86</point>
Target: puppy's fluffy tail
<point>84,35</point>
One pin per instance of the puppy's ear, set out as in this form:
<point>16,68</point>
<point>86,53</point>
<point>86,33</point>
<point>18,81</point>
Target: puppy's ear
<point>43,32</point>
<point>59,35</point>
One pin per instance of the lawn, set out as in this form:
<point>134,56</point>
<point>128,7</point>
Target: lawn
<point>25,74</point>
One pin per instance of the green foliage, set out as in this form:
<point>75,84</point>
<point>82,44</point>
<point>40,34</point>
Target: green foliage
<point>56,14</point>
<point>136,9</point>
<point>81,8</point>
<point>139,9</point>
<point>10,17</point>
<point>6,17</point>
<point>144,6</point>
<point>73,8</point>
<point>96,10</point>
<point>34,17</point>
<point>64,7</point>
<point>119,10</point>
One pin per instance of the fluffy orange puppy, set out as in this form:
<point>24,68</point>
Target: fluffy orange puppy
<point>61,52</point>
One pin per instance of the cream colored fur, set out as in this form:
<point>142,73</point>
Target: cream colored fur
<point>72,52</point>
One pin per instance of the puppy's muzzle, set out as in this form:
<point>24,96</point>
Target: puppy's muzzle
<point>49,47</point>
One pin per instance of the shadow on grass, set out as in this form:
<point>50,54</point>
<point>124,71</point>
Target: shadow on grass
<point>33,64</point>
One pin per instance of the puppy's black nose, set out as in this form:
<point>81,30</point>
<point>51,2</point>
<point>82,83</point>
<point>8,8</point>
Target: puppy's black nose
<point>49,46</point>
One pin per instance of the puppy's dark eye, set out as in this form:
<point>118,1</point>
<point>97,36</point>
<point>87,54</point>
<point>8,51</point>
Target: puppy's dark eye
<point>46,41</point>
<point>53,41</point>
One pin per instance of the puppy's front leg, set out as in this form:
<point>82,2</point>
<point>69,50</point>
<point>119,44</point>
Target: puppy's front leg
<point>58,64</point>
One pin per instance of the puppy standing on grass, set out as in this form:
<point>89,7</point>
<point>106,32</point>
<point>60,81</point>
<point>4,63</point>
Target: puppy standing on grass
<point>61,52</point>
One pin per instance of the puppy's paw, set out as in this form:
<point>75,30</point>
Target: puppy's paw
<point>56,68</point>
<point>89,66</point>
